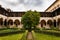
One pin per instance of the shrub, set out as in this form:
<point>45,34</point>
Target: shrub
<point>49,32</point>
<point>24,36</point>
<point>10,31</point>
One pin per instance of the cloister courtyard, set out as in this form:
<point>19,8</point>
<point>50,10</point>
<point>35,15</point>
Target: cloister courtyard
<point>30,25</point>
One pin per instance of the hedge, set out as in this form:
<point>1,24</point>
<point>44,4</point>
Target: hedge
<point>24,36</point>
<point>55,33</point>
<point>10,31</point>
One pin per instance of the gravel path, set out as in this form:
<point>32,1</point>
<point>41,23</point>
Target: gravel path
<point>29,36</point>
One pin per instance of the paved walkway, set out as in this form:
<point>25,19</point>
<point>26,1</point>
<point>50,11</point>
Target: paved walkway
<point>29,36</point>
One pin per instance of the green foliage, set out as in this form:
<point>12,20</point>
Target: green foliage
<point>24,36</point>
<point>49,32</point>
<point>12,37</point>
<point>30,19</point>
<point>10,31</point>
<point>40,36</point>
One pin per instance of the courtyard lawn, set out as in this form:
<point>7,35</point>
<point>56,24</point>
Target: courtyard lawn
<point>40,36</point>
<point>12,37</point>
<point>11,34</point>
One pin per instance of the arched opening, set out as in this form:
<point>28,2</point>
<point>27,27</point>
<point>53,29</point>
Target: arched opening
<point>5,22</point>
<point>1,21</point>
<point>58,22</point>
<point>10,22</point>
<point>55,23</point>
<point>50,23</point>
<point>43,23</point>
<point>17,22</point>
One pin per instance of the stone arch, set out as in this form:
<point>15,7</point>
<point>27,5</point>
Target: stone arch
<point>5,22</point>
<point>10,22</point>
<point>17,22</point>
<point>54,23</point>
<point>58,21</point>
<point>1,21</point>
<point>50,23</point>
<point>43,22</point>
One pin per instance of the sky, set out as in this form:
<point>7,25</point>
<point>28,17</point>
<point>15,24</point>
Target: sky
<point>25,5</point>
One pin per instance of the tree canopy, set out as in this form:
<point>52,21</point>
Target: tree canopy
<point>30,19</point>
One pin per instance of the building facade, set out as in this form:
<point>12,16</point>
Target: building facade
<point>51,17</point>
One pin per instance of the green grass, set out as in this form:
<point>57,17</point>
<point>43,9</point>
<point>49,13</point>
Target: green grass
<point>12,37</point>
<point>39,36</point>
<point>24,36</point>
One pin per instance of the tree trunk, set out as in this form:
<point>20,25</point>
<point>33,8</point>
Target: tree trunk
<point>29,29</point>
